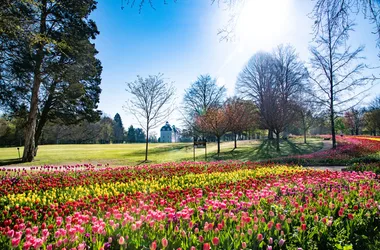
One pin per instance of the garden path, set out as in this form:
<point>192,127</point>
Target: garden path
<point>326,146</point>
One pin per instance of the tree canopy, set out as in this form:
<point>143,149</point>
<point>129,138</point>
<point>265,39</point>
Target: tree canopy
<point>48,64</point>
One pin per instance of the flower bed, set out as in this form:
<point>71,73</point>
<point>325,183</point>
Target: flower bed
<point>350,150</point>
<point>373,167</point>
<point>220,205</point>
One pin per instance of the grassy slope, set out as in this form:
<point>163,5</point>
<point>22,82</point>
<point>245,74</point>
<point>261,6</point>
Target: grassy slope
<point>131,154</point>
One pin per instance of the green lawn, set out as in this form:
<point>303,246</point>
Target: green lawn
<point>132,154</point>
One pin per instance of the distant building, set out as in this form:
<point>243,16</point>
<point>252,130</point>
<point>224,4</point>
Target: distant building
<point>169,133</point>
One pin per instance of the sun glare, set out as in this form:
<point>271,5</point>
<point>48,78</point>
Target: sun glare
<point>262,21</point>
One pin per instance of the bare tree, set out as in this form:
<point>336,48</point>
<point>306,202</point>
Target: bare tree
<point>142,3</point>
<point>256,82</point>
<point>290,76</point>
<point>344,11</point>
<point>334,71</point>
<point>307,114</point>
<point>150,102</point>
<point>272,81</point>
<point>203,94</point>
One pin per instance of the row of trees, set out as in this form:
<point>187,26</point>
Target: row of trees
<point>277,85</point>
<point>235,116</point>
<point>276,82</point>
<point>104,131</point>
<point>207,112</point>
<point>355,121</point>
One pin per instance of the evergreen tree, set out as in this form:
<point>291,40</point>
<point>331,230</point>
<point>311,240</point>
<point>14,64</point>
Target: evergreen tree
<point>140,135</point>
<point>118,129</point>
<point>131,136</point>
<point>48,64</point>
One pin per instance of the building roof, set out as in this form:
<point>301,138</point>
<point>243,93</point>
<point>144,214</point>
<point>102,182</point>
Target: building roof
<point>166,127</point>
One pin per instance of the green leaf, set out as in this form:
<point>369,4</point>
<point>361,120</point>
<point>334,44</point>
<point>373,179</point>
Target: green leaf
<point>338,246</point>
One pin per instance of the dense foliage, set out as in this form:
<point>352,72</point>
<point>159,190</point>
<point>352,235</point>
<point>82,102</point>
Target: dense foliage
<point>49,70</point>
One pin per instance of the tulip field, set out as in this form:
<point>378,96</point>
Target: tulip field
<point>350,150</point>
<point>214,205</point>
<point>202,205</point>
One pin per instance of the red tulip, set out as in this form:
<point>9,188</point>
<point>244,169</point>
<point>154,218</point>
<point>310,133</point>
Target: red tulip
<point>215,241</point>
<point>260,237</point>
<point>206,246</point>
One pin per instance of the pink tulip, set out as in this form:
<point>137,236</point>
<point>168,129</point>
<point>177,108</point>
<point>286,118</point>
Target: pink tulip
<point>15,242</point>
<point>10,233</point>
<point>45,233</point>
<point>153,246</point>
<point>316,218</point>
<point>164,242</point>
<point>81,246</point>
<point>35,230</point>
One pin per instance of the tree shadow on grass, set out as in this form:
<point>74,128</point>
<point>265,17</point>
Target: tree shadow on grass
<point>265,151</point>
<point>303,148</point>
<point>251,153</point>
<point>294,149</point>
<point>143,162</point>
<point>7,162</point>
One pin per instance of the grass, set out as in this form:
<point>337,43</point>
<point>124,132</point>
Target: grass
<point>133,154</point>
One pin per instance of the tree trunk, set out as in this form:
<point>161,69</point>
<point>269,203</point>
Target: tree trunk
<point>218,142</point>
<point>235,141</point>
<point>29,145</point>
<point>278,141</point>
<point>304,136</point>
<point>304,129</point>
<point>44,116</point>
<point>146,144</point>
<point>270,134</point>
<point>332,127</point>
<point>332,94</point>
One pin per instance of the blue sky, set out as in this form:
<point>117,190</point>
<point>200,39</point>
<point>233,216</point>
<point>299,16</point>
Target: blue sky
<point>180,40</point>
